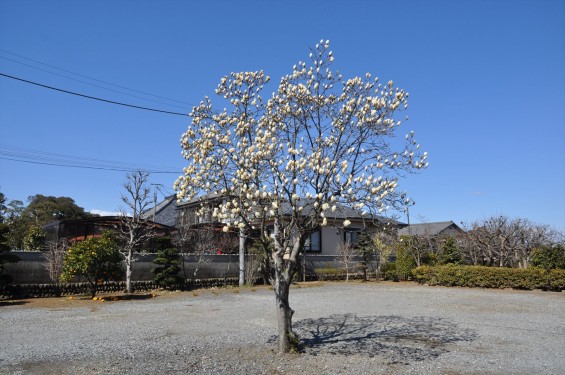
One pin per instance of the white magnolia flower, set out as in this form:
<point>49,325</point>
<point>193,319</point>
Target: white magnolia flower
<point>346,223</point>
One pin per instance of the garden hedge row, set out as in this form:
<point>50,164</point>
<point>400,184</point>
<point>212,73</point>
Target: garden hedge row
<point>57,290</point>
<point>491,277</point>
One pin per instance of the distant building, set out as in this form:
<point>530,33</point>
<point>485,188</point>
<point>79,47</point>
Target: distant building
<point>81,229</point>
<point>163,213</point>
<point>323,241</point>
<point>443,228</point>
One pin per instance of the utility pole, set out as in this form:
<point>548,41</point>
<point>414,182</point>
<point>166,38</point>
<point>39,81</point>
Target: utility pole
<point>155,188</point>
<point>408,218</point>
<point>241,257</point>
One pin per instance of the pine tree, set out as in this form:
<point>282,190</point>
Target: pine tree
<point>366,247</point>
<point>450,254</point>
<point>168,258</point>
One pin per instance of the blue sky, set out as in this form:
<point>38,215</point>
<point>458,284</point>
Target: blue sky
<point>486,82</point>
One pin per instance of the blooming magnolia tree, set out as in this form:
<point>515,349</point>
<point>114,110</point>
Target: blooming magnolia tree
<point>285,163</point>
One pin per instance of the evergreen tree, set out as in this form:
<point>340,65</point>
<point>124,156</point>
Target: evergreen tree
<point>366,248</point>
<point>549,257</point>
<point>96,259</point>
<point>169,260</point>
<point>35,238</point>
<point>450,253</point>
<point>405,262</point>
<point>5,257</point>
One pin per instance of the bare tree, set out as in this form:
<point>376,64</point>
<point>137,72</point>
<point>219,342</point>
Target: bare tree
<point>201,242</point>
<point>471,248</point>
<point>384,241</point>
<point>529,236</point>
<point>133,230</point>
<point>504,242</point>
<point>347,255</point>
<point>54,258</point>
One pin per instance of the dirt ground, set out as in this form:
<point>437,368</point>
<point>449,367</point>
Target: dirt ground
<point>345,328</point>
<point>86,301</point>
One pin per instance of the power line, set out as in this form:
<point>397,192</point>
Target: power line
<point>43,156</point>
<point>48,158</point>
<point>88,83</point>
<point>93,97</point>
<point>87,167</point>
<point>94,79</point>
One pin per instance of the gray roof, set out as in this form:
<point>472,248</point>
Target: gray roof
<point>430,229</point>
<point>165,211</point>
<point>342,211</point>
<point>206,197</point>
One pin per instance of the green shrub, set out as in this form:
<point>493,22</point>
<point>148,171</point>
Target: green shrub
<point>549,257</point>
<point>96,259</point>
<point>35,238</point>
<point>166,275</point>
<point>405,263</point>
<point>389,271</point>
<point>490,277</point>
<point>330,271</point>
<point>450,253</point>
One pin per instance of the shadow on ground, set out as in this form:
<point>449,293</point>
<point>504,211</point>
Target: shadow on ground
<point>394,338</point>
<point>12,302</point>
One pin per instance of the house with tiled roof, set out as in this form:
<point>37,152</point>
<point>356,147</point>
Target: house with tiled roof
<point>442,228</point>
<point>323,241</point>
<point>165,212</point>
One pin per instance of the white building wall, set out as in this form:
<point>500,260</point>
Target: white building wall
<point>333,236</point>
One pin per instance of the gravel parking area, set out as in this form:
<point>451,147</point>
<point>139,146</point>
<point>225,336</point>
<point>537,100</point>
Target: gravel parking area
<point>354,328</point>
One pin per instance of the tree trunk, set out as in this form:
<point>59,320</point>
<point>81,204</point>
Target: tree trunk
<point>128,273</point>
<point>287,338</point>
<point>93,289</point>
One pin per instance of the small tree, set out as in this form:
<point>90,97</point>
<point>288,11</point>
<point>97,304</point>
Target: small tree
<point>203,244</point>
<point>18,224</point>
<point>549,257</point>
<point>346,255</point>
<point>35,238</point>
<point>256,263</point>
<point>450,253</point>
<point>365,246</point>
<point>133,230</point>
<point>96,259</point>
<point>169,260</point>
<point>5,256</point>
<point>384,241</point>
<point>405,262</point>
<point>55,258</point>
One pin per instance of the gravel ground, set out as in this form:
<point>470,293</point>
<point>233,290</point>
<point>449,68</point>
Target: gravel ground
<point>370,328</point>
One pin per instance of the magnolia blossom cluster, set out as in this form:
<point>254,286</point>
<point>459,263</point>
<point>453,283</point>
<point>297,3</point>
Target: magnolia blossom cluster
<point>317,143</point>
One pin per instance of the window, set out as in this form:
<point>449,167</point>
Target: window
<point>314,242</point>
<point>350,236</point>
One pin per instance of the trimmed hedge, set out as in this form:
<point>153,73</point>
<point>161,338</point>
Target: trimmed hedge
<point>54,290</point>
<point>491,277</point>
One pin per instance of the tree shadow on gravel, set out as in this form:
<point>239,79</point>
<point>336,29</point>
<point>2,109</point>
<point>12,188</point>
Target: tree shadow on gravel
<point>394,338</point>
<point>12,302</point>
